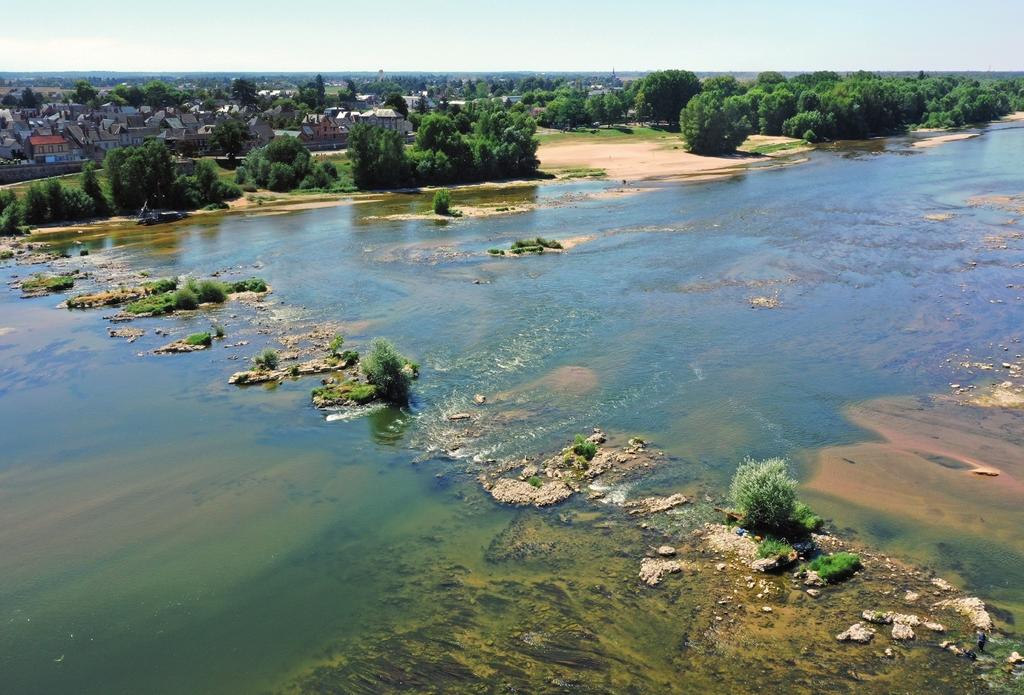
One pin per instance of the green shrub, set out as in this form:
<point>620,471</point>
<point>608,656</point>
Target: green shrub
<point>218,330</point>
<point>160,286</point>
<point>185,299</point>
<point>266,361</point>
<point>6,254</point>
<point>536,242</point>
<point>442,202</point>
<point>835,568</point>
<point>805,519</point>
<point>83,252</point>
<point>765,493</point>
<point>250,285</point>
<point>163,303</point>
<point>334,347</point>
<point>584,448</point>
<point>535,481</point>
<point>210,292</point>
<point>49,283</point>
<point>496,252</point>
<point>294,370</point>
<point>773,547</point>
<point>349,356</point>
<point>353,391</point>
<point>385,368</point>
<point>199,339</point>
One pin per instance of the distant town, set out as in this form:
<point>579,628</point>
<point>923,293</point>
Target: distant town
<point>54,129</point>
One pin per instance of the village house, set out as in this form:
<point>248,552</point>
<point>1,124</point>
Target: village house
<point>49,149</point>
<point>319,132</point>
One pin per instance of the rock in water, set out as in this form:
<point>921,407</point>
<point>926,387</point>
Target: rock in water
<point>972,608</point>
<point>666,551</point>
<point>813,579</point>
<point>519,492</point>
<point>902,631</point>
<point>857,632</point>
<point>653,570</point>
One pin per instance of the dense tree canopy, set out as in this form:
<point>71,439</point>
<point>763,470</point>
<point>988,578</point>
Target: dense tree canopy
<point>825,106</point>
<point>146,176</point>
<point>283,165</point>
<point>230,137</point>
<point>483,142</point>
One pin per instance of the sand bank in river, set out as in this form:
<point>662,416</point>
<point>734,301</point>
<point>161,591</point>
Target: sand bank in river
<point>943,139</point>
<point>937,464</point>
<point>639,160</point>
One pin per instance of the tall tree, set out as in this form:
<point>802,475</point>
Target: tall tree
<point>84,92</point>
<point>666,92</point>
<point>244,92</point>
<point>230,137</point>
<point>91,187</point>
<point>398,103</point>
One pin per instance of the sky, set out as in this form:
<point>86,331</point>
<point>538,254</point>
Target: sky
<point>529,35</point>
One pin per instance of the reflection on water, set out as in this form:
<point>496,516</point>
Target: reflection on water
<point>162,532</point>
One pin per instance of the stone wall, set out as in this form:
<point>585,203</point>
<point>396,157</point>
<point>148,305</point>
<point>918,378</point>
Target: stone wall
<point>13,173</point>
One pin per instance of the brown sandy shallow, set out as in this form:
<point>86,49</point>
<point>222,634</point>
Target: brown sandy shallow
<point>955,468</point>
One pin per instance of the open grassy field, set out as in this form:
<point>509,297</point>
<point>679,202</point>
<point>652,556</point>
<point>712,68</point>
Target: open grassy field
<point>614,133</point>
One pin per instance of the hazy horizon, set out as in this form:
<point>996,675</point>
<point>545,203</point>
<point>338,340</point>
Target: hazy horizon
<point>455,36</point>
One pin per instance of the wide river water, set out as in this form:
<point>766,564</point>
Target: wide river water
<point>164,532</point>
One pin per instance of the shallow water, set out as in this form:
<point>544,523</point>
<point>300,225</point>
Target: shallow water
<point>163,532</point>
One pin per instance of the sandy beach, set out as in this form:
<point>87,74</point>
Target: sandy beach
<point>643,160</point>
<point>943,139</point>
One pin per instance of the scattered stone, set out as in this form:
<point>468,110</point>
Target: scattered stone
<point>666,551</point>
<point>768,564</point>
<point>813,579</point>
<point>179,346</point>
<point>1014,659</point>
<point>131,334</point>
<point>911,596</point>
<point>479,398</point>
<point>766,609</point>
<point>813,593</point>
<point>889,653</point>
<point>934,627</point>
<point>942,584</point>
<point>857,632</point>
<point>456,417</point>
<point>720,566</point>
<point>519,492</point>
<point>653,570</point>
<point>722,539</point>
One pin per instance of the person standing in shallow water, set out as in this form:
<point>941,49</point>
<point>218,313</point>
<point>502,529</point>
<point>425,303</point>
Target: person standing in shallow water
<point>982,639</point>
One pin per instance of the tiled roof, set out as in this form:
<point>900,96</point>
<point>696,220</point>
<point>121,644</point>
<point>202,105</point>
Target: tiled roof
<point>47,140</point>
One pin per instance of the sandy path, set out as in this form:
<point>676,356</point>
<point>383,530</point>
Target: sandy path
<point>637,160</point>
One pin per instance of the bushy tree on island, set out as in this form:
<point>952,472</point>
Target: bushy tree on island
<point>713,124</point>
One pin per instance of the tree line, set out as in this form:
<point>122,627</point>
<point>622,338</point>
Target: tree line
<point>136,177</point>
